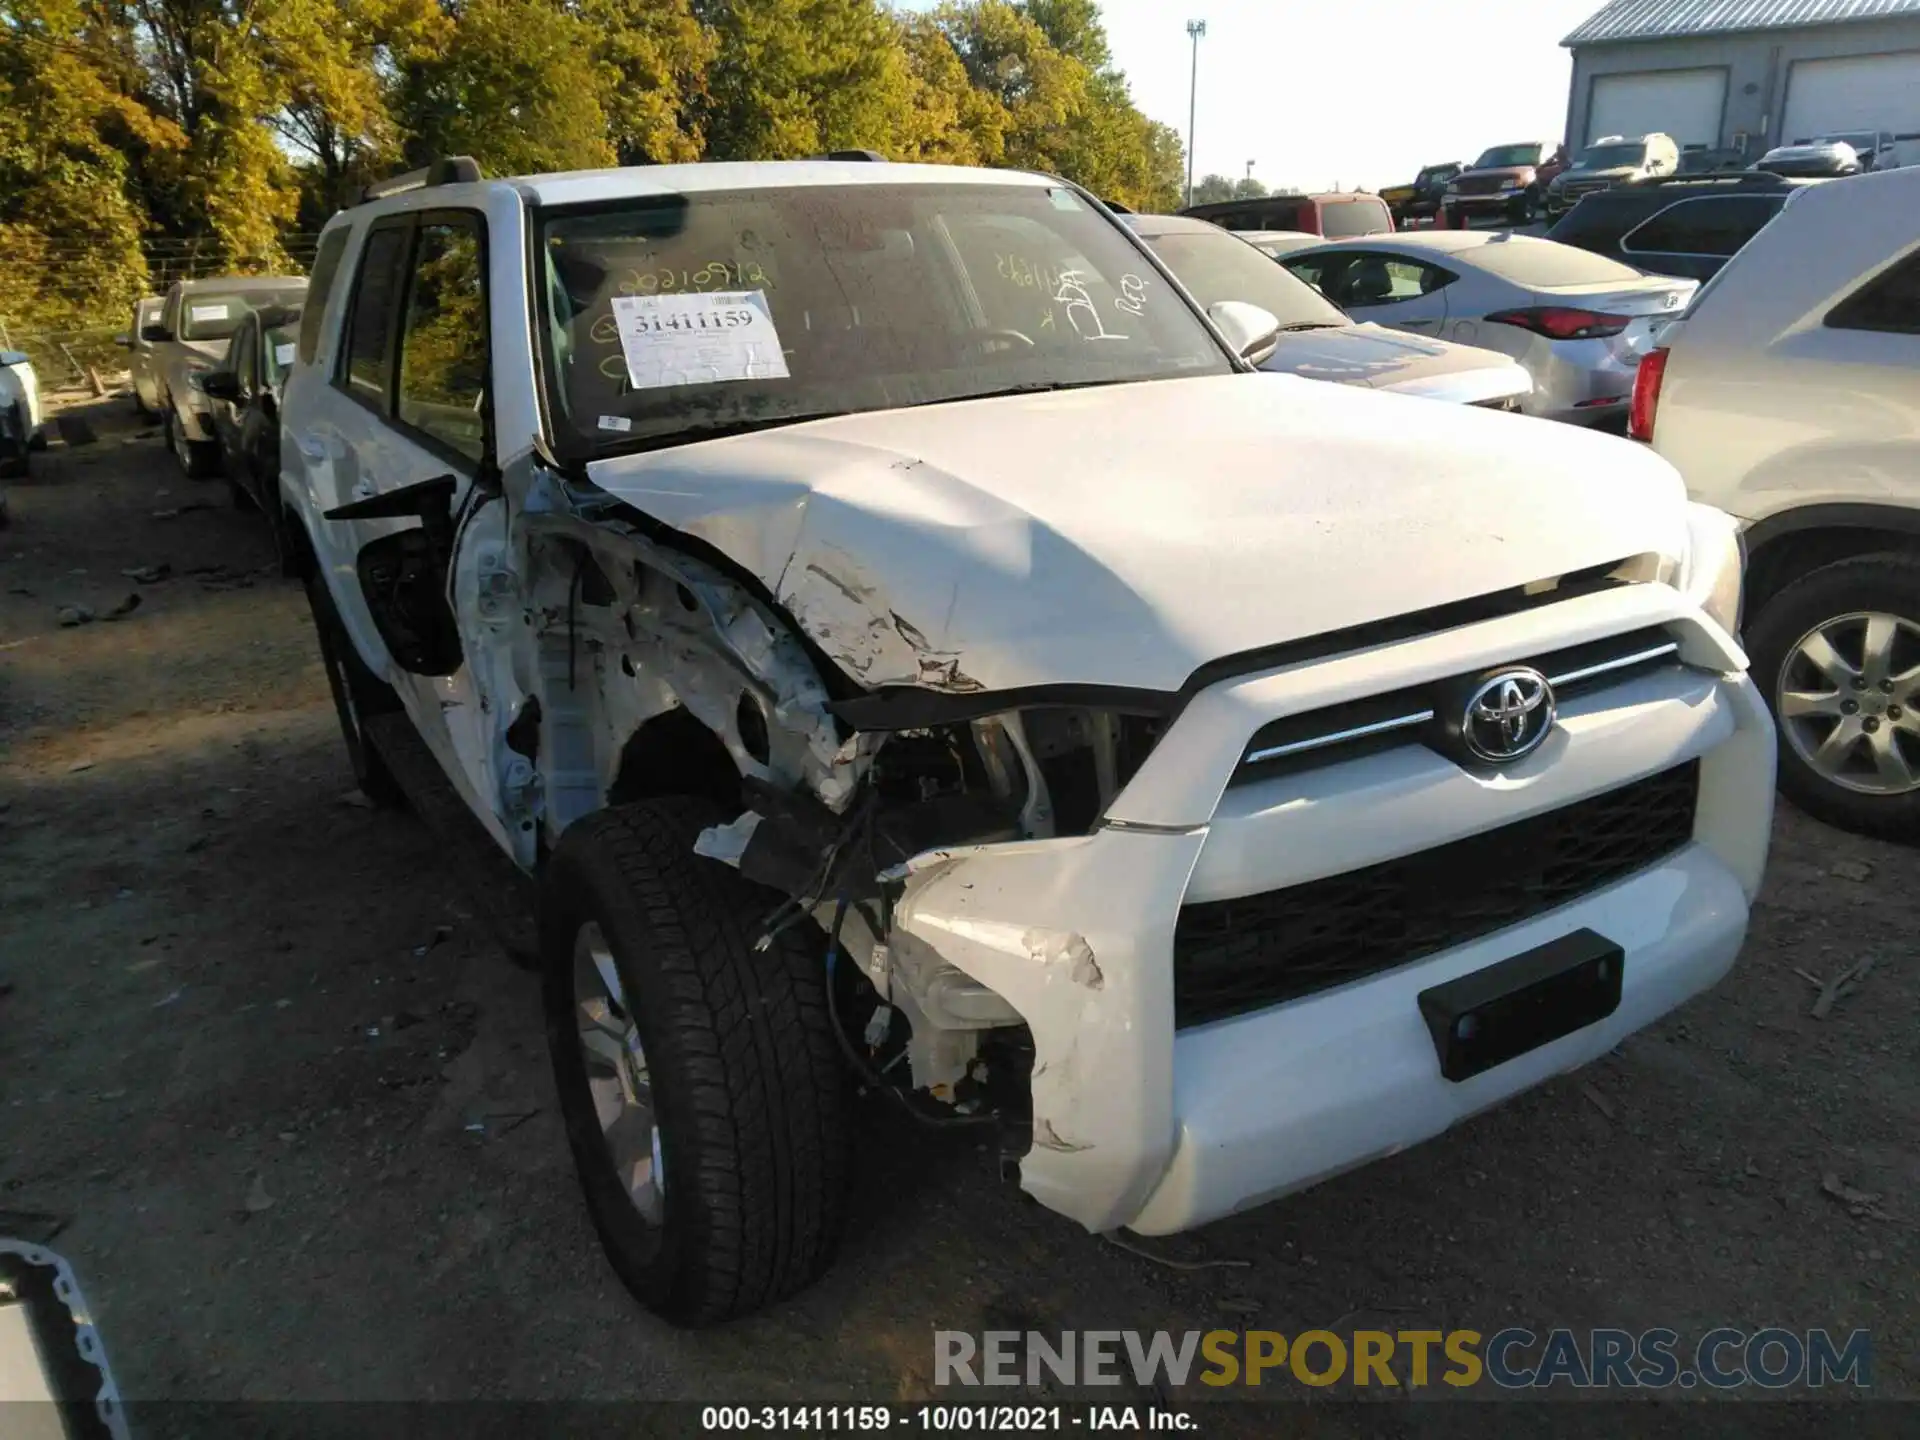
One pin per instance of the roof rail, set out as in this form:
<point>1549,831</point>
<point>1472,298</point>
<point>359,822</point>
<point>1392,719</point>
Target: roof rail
<point>448,170</point>
<point>874,155</point>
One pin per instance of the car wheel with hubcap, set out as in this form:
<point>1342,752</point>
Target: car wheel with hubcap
<point>1838,656</point>
<point>704,1097</point>
<point>357,693</point>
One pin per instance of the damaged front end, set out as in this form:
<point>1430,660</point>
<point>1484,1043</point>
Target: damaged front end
<point>656,666</point>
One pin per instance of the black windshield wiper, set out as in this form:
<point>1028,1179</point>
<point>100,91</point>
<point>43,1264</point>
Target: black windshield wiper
<point>1033,387</point>
<point>1311,325</point>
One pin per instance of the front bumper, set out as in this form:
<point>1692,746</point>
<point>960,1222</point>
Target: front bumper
<point>1137,1124</point>
<point>1498,201</point>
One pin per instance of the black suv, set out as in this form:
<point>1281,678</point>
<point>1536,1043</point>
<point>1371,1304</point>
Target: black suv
<point>1684,225</point>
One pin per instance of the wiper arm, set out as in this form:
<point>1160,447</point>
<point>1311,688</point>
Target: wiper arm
<point>1033,387</point>
<point>1311,325</point>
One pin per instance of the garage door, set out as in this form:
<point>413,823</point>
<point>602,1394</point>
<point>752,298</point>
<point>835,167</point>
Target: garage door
<point>1861,92</point>
<point>1685,104</point>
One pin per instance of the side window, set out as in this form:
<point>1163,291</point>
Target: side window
<point>1888,302</point>
<point>1326,273</point>
<point>443,345</point>
<point>326,265</point>
<point>1388,280</point>
<point>367,368</point>
<point>1708,225</point>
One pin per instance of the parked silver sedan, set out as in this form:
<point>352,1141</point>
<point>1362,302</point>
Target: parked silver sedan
<point>1578,321</point>
<point>1315,340</point>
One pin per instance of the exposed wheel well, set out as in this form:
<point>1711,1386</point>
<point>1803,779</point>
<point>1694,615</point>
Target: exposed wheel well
<point>674,754</point>
<point>1782,559</point>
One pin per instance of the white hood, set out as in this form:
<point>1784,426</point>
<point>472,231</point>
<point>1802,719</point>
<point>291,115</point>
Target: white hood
<point>1128,534</point>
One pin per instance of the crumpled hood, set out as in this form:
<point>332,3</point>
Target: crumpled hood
<point>1127,534</point>
<point>1384,359</point>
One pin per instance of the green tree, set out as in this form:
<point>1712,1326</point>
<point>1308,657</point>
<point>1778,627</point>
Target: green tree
<point>73,125</point>
<point>798,77</point>
<point>653,57</point>
<point>335,61</point>
<point>517,87</point>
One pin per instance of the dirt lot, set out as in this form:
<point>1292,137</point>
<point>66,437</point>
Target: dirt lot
<point>290,1108</point>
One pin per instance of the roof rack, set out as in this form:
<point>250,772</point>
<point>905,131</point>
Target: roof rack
<point>448,170</point>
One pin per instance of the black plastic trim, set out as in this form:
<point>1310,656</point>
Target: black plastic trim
<point>1901,518</point>
<point>908,707</point>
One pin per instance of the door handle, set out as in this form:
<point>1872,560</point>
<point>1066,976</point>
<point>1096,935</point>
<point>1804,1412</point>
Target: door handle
<point>363,489</point>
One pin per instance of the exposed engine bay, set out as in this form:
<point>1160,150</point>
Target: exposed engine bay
<point>662,671</point>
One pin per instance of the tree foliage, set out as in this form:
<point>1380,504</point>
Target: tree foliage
<point>1212,188</point>
<point>228,125</point>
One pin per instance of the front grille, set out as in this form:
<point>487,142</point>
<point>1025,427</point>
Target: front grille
<point>1481,184</point>
<point>1233,956</point>
<point>1417,715</point>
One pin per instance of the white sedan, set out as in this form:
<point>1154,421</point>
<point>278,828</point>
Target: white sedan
<point>1579,322</point>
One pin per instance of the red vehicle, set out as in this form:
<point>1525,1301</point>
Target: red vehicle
<point>1509,180</point>
<point>1340,216</point>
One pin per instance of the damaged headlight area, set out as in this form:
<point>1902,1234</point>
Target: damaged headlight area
<point>912,1021</point>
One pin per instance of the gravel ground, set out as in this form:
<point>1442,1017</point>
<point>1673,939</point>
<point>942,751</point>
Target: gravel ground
<point>290,1111</point>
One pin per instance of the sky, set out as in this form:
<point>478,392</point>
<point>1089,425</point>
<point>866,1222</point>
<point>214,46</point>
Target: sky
<point>1361,93</point>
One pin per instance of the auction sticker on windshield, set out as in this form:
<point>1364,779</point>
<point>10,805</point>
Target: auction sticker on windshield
<point>698,339</point>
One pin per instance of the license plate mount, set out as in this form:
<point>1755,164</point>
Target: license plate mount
<point>1515,1005</point>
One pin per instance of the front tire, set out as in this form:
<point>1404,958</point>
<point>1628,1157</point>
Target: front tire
<point>1837,655</point>
<point>702,1090</point>
<point>198,459</point>
<point>357,693</point>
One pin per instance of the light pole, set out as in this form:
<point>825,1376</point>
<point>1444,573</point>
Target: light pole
<point>1195,29</point>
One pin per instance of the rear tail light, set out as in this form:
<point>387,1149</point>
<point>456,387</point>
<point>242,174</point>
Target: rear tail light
<point>1646,393</point>
<point>1558,322</point>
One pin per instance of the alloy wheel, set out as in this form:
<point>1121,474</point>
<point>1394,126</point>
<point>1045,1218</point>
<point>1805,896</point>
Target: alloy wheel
<point>1847,701</point>
<point>617,1074</point>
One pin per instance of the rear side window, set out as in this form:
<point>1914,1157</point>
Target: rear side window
<point>1344,219</point>
<point>1888,302</point>
<point>1710,225</point>
<point>326,264</point>
<point>443,354</point>
<point>368,370</point>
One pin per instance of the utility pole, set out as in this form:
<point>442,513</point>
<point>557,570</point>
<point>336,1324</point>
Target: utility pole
<point>1195,30</point>
<point>1249,169</point>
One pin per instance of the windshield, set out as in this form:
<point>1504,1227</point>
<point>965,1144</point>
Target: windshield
<point>1216,266</point>
<point>216,317</point>
<point>681,315</point>
<point>1611,157</point>
<point>1436,172</point>
<point>1507,157</point>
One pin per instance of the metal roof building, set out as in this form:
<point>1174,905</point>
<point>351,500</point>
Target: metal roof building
<point>1747,74</point>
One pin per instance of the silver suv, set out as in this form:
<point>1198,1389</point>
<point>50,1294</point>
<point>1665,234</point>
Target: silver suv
<point>902,640</point>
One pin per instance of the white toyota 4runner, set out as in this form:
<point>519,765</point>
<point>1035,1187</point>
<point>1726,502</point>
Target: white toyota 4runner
<point>908,645</point>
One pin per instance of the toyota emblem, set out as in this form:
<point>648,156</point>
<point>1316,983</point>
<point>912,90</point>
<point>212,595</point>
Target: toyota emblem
<point>1508,716</point>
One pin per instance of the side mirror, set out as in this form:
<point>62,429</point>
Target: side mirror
<point>1251,330</point>
<point>155,334</point>
<point>221,385</point>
